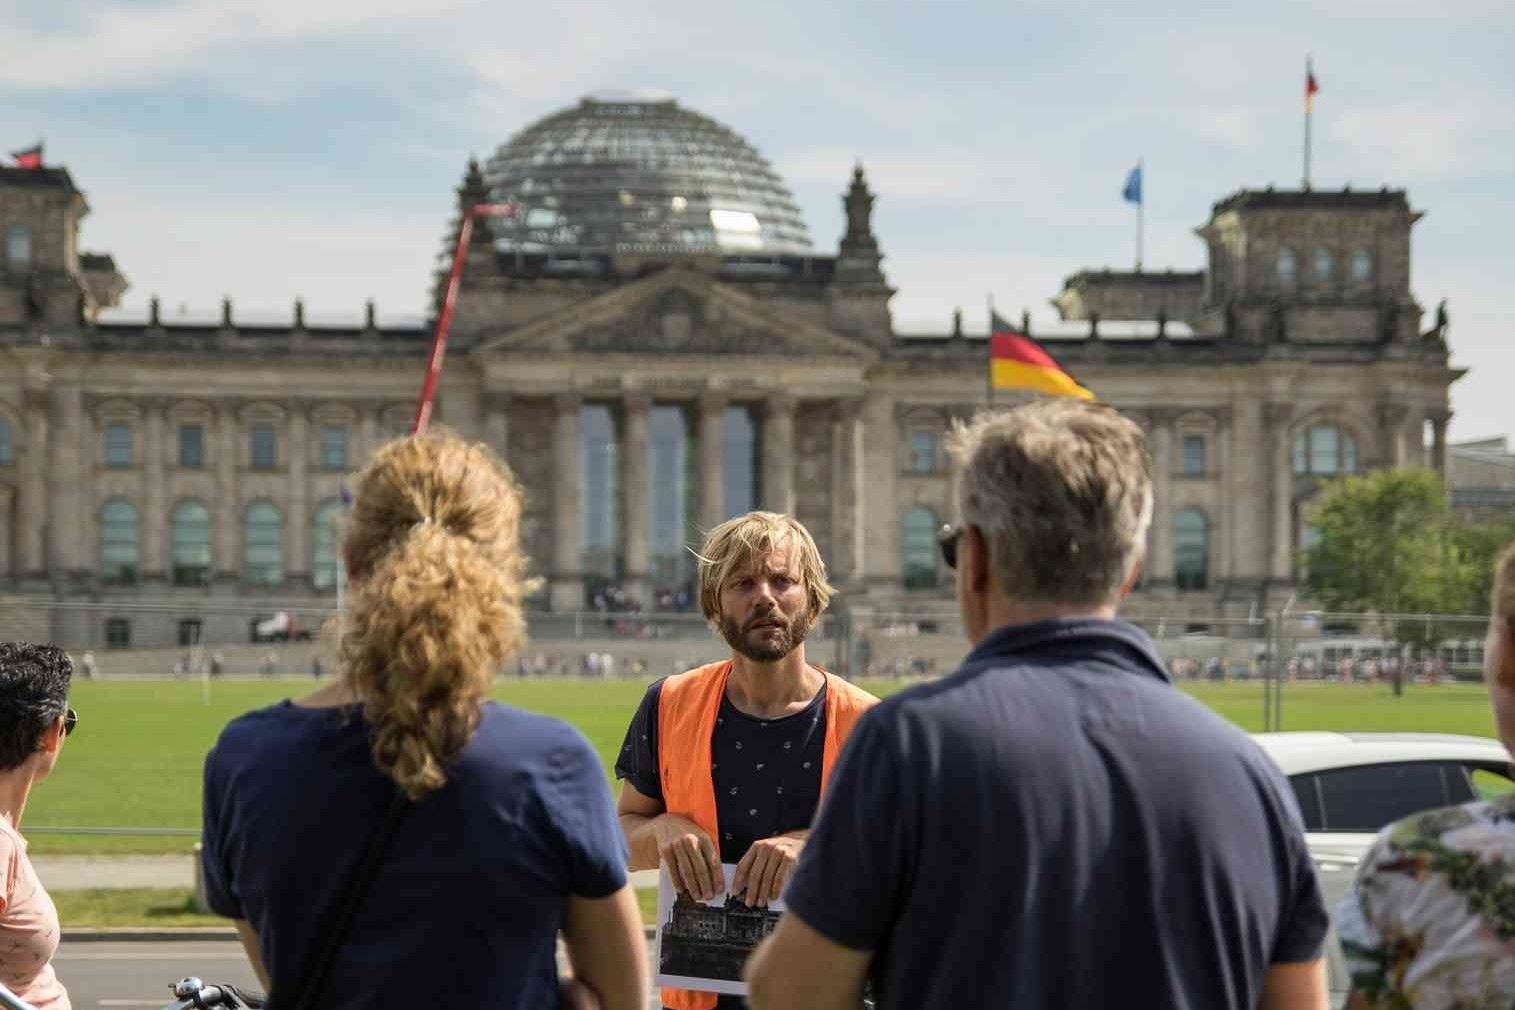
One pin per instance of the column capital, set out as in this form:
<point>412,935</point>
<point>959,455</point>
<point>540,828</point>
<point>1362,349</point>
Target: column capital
<point>714,398</point>
<point>1392,415</point>
<point>1440,416</point>
<point>848,408</point>
<point>636,401</point>
<point>779,403</point>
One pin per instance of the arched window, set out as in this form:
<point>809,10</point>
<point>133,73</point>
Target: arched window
<point>1191,549</point>
<point>1324,450</point>
<point>918,548</point>
<point>7,443</point>
<point>1362,265</point>
<point>262,545</point>
<point>191,544</point>
<point>18,246</point>
<point>1286,266</point>
<point>118,542</point>
<point>1324,264</point>
<point>323,562</point>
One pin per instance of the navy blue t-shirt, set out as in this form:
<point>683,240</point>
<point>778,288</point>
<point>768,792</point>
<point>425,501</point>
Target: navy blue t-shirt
<point>1057,825</point>
<point>767,772</point>
<point>467,903</point>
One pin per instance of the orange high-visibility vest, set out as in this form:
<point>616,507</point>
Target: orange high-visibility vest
<point>687,709</point>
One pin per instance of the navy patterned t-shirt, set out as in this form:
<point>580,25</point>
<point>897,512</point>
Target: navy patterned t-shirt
<point>767,772</point>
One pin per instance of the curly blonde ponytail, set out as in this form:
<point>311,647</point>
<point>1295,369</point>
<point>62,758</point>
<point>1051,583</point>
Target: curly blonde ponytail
<point>434,548</point>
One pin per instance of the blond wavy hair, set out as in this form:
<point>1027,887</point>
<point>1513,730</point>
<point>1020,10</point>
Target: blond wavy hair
<point>736,543</point>
<point>433,544</point>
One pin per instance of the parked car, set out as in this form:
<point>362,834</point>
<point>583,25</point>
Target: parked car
<point>1352,785</point>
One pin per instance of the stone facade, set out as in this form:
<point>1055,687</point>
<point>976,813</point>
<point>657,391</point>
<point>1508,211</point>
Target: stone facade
<point>1305,355</point>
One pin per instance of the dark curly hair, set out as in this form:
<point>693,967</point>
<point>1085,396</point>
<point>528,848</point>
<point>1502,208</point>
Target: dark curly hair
<point>33,694</point>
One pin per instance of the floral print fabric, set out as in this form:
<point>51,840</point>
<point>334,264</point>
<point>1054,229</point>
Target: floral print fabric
<point>1431,921</point>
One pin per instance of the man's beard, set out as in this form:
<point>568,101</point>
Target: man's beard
<point>766,648</point>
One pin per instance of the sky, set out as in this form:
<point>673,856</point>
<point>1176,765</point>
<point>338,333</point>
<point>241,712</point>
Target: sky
<point>283,148</point>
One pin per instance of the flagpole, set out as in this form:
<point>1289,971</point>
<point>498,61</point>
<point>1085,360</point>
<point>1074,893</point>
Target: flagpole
<point>1141,208</point>
<point>989,356</point>
<point>1309,112</point>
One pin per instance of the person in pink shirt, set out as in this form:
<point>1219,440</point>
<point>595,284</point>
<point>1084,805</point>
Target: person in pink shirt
<point>34,720</point>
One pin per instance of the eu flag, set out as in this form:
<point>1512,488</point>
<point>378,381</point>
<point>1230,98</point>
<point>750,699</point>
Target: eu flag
<point>1133,190</point>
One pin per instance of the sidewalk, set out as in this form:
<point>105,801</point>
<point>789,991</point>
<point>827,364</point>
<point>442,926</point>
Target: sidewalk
<point>76,873</point>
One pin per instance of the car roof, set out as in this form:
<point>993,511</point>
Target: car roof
<point>1299,752</point>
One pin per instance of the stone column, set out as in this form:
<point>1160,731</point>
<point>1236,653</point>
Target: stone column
<point>712,469</point>
<point>32,507</point>
<point>847,511</point>
<point>368,431</point>
<point>778,454</point>
<point>566,584</point>
<point>636,494</point>
<point>879,529</point>
<point>297,519</point>
<point>497,423</point>
<point>1439,421</point>
<point>1160,560</point>
<point>154,516</point>
<point>226,564</point>
<point>1392,418</point>
<point>1249,492</point>
<point>1279,416</point>
<point>68,527</point>
<point>6,501</point>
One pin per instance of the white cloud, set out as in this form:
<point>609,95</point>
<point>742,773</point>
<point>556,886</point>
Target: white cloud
<point>1232,127</point>
<point>123,46</point>
<point>956,174</point>
<point>1412,140</point>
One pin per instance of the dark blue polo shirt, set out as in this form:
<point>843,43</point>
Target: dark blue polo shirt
<point>1056,825</point>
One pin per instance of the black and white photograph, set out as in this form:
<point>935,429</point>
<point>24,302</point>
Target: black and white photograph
<point>703,945</point>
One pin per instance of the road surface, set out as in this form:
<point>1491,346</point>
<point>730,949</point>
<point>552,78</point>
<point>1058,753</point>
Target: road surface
<point>136,975</point>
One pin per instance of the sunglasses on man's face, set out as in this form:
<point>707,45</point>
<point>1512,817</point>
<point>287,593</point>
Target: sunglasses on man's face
<point>70,720</point>
<point>946,540</point>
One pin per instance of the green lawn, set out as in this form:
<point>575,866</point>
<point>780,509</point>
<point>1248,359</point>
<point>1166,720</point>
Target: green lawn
<point>136,758</point>
<point>139,907</point>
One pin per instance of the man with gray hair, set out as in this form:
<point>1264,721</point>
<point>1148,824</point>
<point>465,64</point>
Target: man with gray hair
<point>1054,824</point>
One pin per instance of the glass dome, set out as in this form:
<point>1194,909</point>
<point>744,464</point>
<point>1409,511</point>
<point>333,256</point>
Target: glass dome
<point>638,173</point>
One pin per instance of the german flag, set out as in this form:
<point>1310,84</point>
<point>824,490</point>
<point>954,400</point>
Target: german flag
<point>1018,362</point>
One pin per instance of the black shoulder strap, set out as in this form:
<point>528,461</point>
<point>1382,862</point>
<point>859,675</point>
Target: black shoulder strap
<point>339,920</point>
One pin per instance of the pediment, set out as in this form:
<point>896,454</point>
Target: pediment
<point>679,311</point>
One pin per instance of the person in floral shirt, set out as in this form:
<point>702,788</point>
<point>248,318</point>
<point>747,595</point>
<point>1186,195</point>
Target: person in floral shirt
<point>1431,921</point>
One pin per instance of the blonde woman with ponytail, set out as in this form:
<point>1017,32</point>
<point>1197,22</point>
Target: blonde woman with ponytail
<point>507,836</point>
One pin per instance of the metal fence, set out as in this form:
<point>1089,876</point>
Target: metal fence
<point>193,637</point>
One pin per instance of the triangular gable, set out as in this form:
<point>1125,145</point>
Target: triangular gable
<point>676,311</point>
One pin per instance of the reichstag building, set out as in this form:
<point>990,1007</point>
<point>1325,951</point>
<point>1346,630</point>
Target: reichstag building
<point>655,342</point>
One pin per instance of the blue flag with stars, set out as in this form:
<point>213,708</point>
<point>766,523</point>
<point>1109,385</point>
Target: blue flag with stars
<point>1133,190</point>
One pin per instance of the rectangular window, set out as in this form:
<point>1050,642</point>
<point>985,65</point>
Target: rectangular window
<point>189,631</point>
<point>191,445</point>
<point>118,444</point>
<point>118,633</point>
<point>265,447</point>
<point>1194,455</point>
<point>922,452</point>
<point>333,448</point>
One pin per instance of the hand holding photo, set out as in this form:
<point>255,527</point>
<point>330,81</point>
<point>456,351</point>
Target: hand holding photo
<point>703,945</point>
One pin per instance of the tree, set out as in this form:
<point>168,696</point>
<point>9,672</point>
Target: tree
<point>1389,545</point>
